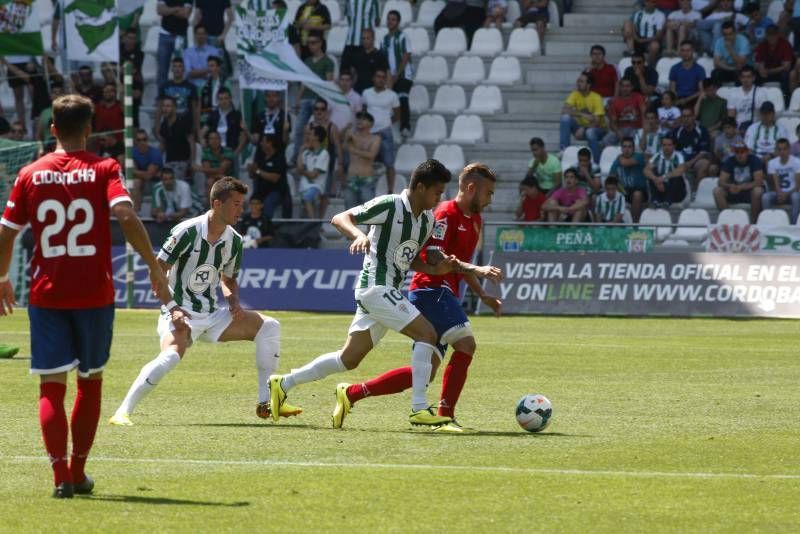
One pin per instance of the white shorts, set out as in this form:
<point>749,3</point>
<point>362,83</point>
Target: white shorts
<point>379,309</point>
<point>205,327</point>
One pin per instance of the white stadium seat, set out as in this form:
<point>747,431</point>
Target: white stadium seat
<point>555,17</point>
<point>400,183</point>
<point>335,11</point>
<point>769,218</point>
<point>149,15</point>
<point>523,42</point>
<point>451,156</point>
<point>149,67</point>
<point>623,64</point>
<point>663,67</point>
<point>401,6</point>
<point>450,42</point>
<point>570,157</point>
<point>291,8</point>
<point>419,42</point>
<point>408,157</point>
<point>794,103</point>
<point>774,10</point>
<point>487,42</point>
<point>512,13</point>
<point>657,216</point>
<point>380,33</point>
<point>337,38</point>
<point>504,71</point>
<point>419,101</point>
<point>733,216</point>
<point>707,63</point>
<point>467,129</point>
<point>430,129</point>
<point>486,99</point>
<point>449,99</point>
<point>790,124</point>
<point>607,158</point>
<point>43,12</point>
<point>775,96</point>
<point>428,11</point>
<point>705,193</point>
<point>432,70</point>
<point>150,45</point>
<point>669,242</point>
<point>693,217</point>
<point>468,71</point>
<point>47,40</point>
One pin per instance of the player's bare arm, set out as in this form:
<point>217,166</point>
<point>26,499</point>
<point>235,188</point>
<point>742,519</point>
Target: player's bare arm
<point>230,290</point>
<point>493,302</point>
<point>345,222</point>
<point>7,301</point>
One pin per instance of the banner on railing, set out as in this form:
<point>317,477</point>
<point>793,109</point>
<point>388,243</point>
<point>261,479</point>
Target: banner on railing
<point>677,284</point>
<point>751,239</point>
<point>270,279</point>
<point>574,239</point>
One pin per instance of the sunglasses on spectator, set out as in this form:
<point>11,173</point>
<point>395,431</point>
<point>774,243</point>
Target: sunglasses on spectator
<point>141,139</point>
<point>314,41</point>
<point>319,108</point>
<point>638,62</point>
<point>17,131</point>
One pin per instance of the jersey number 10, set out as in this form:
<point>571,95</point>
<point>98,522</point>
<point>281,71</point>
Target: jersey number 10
<point>72,248</point>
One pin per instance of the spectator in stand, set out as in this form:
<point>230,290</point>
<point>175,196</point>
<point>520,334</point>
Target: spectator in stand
<point>546,168</point>
<point>174,23</point>
<point>255,226</point>
<point>217,160</point>
<point>716,13</point>
<point>46,117</point>
<point>17,131</point>
<point>667,6</point>
<point>268,172</point>
<point>496,11</point>
<point>217,17</point>
<point>648,139</point>
<point>741,181</point>
<point>147,162</point>
<point>625,113</point>
<point>723,144</point>
<point>643,77</point>
<point>711,109</point>
<point>333,146</point>
<point>773,60</point>
<point>384,106</point>
<point>668,113</point>
<point>210,90</point>
<point>681,26</point>
<point>567,203</point>
<point>796,144</point>
<point>272,121</point>
<point>398,55</point>
<point>686,78</point>
<point>176,139</point>
<point>792,7</point>
<point>340,116</point>
<point>184,94</point>
<point>172,199</point>
<point>534,12</point>
<point>605,76</point>
<point>86,86</point>
<point>583,115</point>
<point>784,175</point>
<point>321,65</point>
<point>312,18</point>
<point>364,61</point>
<point>644,31</point>
<point>228,122</point>
<point>588,173</point>
<point>363,147</point>
<point>292,32</point>
<point>692,140</point>
<point>108,117</point>
<point>743,101</point>
<point>629,170</point>
<point>130,51</point>
<point>762,135</point>
<point>312,168</point>
<point>731,54</point>
<point>360,14</point>
<point>531,200</point>
<point>468,15</point>
<point>666,172</point>
<point>610,205</point>
<point>756,29</point>
<point>196,57</point>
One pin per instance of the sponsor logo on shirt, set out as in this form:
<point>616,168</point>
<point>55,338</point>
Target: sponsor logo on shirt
<point>440,230</point>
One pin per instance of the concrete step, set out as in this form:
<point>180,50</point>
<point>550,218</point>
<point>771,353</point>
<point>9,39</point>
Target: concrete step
<point>536,106</point>
<point>622,11</point>
<point>520,136</point>
<point>593,22</point>
<point>614,47</point>
<point>562,78</point>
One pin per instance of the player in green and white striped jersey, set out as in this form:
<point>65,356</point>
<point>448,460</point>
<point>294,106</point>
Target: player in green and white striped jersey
<point>398,54</point>
<point>360,14</point>
<point>200,255</point>
<point>610,205</point>
<point>666,171</point>
<point>398,227</point>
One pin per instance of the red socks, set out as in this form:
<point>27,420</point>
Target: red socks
<point>53,421</point>
<point>393,381</point>
<point>455,375</point>
<point>85,416</point>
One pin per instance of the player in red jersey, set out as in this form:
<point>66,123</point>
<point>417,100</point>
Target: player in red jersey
<point>457,231</point>
<point>67,197</point>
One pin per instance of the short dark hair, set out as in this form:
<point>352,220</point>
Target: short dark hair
<point>321,101</point>
<point>670,94</point>
<point>272,139</point>
<point>215,59</point>
<point>748,69</point>
<point>601,48</point>
<point>585,152</point>
<point>589,77</point>
<point>368,29</point>
<point>710,82</point>
<point>365,115</point>
<point>530,181</point>
<point>316,33</point>
<point>200,26</point>
<point>536,141</point>
<point>379,69</point>
<point>429,172</point>
<point>170,98</point>
<point>727,25</point>
<point>688,107</point>
<point>320,133</point>
<point>167,170</point>
<point>71,114</point>
<point>177,60</point>
<point>396,14</point>
<point>612,180</point>
<point>626,139</point>
<point>729,121</point>
<point>573,171</point>
<point>223,91</point>
<point>687,42</point>
<point>279,3</point>
<point>640,55</point>
<point>478,171</point>
<point>783,141</point>
<point>225,187</point>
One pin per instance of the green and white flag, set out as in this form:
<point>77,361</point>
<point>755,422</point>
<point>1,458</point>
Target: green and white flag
<point>126,7</point>
<point>19,32</point>
<point>92,30</point>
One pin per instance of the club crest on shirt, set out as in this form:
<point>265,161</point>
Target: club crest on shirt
<point>405,253</point>
<point>440,230</point>
<point>202,277</point>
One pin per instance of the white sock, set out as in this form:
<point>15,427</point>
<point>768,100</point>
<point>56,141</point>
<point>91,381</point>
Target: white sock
<point>150,375</point>
<point>421,368</point>
<point>319,368</point>
<point>268,345</point>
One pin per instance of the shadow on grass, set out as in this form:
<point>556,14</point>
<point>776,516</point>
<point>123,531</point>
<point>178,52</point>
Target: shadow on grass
<point>138,499</point>
<point>250,425</point>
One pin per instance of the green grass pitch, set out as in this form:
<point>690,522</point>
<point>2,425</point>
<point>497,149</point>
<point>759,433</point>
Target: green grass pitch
<point>659,425</point>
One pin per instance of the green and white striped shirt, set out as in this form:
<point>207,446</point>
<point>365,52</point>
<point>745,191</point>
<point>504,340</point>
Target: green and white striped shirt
<point>607,209</point>
<point>197,264</point>
<point>395,237</point>
<point>652,142</point>
<point>647,25</point>
<point>360,14</point>
<point>663,165</point>
<point>395,46</point>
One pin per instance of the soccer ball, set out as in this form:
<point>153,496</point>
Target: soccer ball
<point>534,412</point>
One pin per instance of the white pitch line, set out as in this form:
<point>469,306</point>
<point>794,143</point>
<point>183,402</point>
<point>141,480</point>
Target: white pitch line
<point>368,465</point>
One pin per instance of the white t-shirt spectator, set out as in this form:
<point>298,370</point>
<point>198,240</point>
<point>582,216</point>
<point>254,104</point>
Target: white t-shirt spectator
<point>647,25</point>
<point>761,139</point>
<point>315,161</point>
<point>787,172</point>
<point>380,105</point>
<point>743,103</point>
<point>179,198</point>
<point>680,16</point>
<point>341,117</point>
